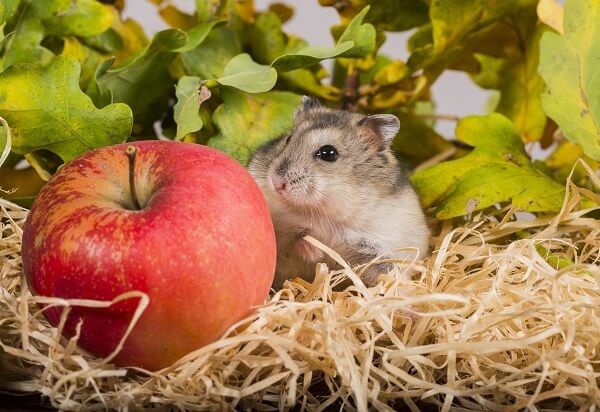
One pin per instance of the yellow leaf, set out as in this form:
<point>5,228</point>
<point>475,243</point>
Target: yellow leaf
<point>392,73</point>
<point>245,9</point>
<point>20,183</point>
<point>283,11</point>
<point>551,13</point>
<point>176,18</point>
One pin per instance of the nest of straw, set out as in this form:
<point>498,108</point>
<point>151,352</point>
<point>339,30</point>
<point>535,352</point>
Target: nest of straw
<point>504,315</point>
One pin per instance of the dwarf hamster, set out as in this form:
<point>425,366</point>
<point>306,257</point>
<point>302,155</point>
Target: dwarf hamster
<point>334,177</point>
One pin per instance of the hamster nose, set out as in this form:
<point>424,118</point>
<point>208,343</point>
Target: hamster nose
<point>279,184</point>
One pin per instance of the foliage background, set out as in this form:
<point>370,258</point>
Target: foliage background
<point>75,76</point>
<point>312,22</point>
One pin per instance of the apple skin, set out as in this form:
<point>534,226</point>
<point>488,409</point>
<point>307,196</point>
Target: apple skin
<point>202,248</point>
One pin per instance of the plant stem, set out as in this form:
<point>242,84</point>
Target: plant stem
<point>436,116</point>
<point>131,154</point>
<point>211,84</point>
<point>350,91</point>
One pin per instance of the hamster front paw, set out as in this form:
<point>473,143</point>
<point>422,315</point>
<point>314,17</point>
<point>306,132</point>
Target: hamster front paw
<point>307,251</point>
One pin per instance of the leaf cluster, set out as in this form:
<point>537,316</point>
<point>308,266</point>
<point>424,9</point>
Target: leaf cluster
<point>75,75</point>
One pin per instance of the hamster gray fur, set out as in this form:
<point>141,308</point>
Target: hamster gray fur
<point>354,199</point>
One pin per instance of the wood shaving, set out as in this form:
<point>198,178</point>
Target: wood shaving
<point>491,321</point>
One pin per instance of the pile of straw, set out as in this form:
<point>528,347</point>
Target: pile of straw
<point>504,315</point>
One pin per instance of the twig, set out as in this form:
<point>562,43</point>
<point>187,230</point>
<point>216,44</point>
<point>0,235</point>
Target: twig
<point>350,92</point>
<point>436,116</point>
<point>440,157</point>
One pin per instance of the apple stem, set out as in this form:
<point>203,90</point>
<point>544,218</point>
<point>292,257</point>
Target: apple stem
<point>131,154</point>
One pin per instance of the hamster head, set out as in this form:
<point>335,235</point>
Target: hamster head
<point>331,158</point>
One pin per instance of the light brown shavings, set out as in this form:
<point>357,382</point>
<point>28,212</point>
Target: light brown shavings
<point>494,319</point>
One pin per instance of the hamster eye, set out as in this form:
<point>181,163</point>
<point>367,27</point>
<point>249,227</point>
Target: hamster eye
<point>327,153</point>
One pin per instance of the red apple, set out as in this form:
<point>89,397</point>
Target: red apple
<point>202,247</point>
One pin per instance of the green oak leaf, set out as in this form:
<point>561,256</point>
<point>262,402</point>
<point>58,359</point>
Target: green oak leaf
<point>205,9</point>
<point>209,60</point>
<point>88,58</point>
<point>246,121</point>
<point>357,40</point>
<point>309,56</point>
<point>368,76</point>
<point>245,74</point>
<point>362,34</point>
<point>267,42</point>
<point>144,82</point>
<point>398,15</point>
<point>8,9</point>
<point>391,73</point>
<point>497,170</point>
<point>100,94</point>
<point>517,78</point>
<point>266,39</point>
<point>190,95</point>
<point>458,29</point>
<point>46,109</point>
<point>198,34</point>
<point>109,41</point>
<point>122,40</point>
<point>79,18</point>
<point>569,64</point>
<point>389,15</point>
<point>37,19</point>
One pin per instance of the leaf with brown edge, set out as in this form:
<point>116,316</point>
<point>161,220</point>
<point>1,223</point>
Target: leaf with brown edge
<point>497,170</point>
<point>458,29</point>
<point>190,96</point>
<point>551,13</point>
<point>515,75</point>
<point>46,109</point>
<point>283,11</point>
<point>144,81</point>
<point>569,66</point>
<point>38,19</point>
<point>390,15</point>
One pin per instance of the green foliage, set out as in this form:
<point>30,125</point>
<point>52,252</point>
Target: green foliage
<point>74,76</point>
<point>357,40</point>
<point>570,66</point>
<point>246,121</point>
<point>5,145</point>
<point>46,109</point>
<point>190,95</point>
<point>515,75</point>
<point>31,21</point>
<point>245,74</point>
<point>497,170</point>
<point>129,83</point>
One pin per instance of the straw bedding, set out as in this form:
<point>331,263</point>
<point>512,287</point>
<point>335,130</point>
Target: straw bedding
<point>504,315</point>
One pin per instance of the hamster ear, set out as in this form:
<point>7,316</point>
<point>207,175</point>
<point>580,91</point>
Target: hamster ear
<point>308,104</point>
<point>383,126</point>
